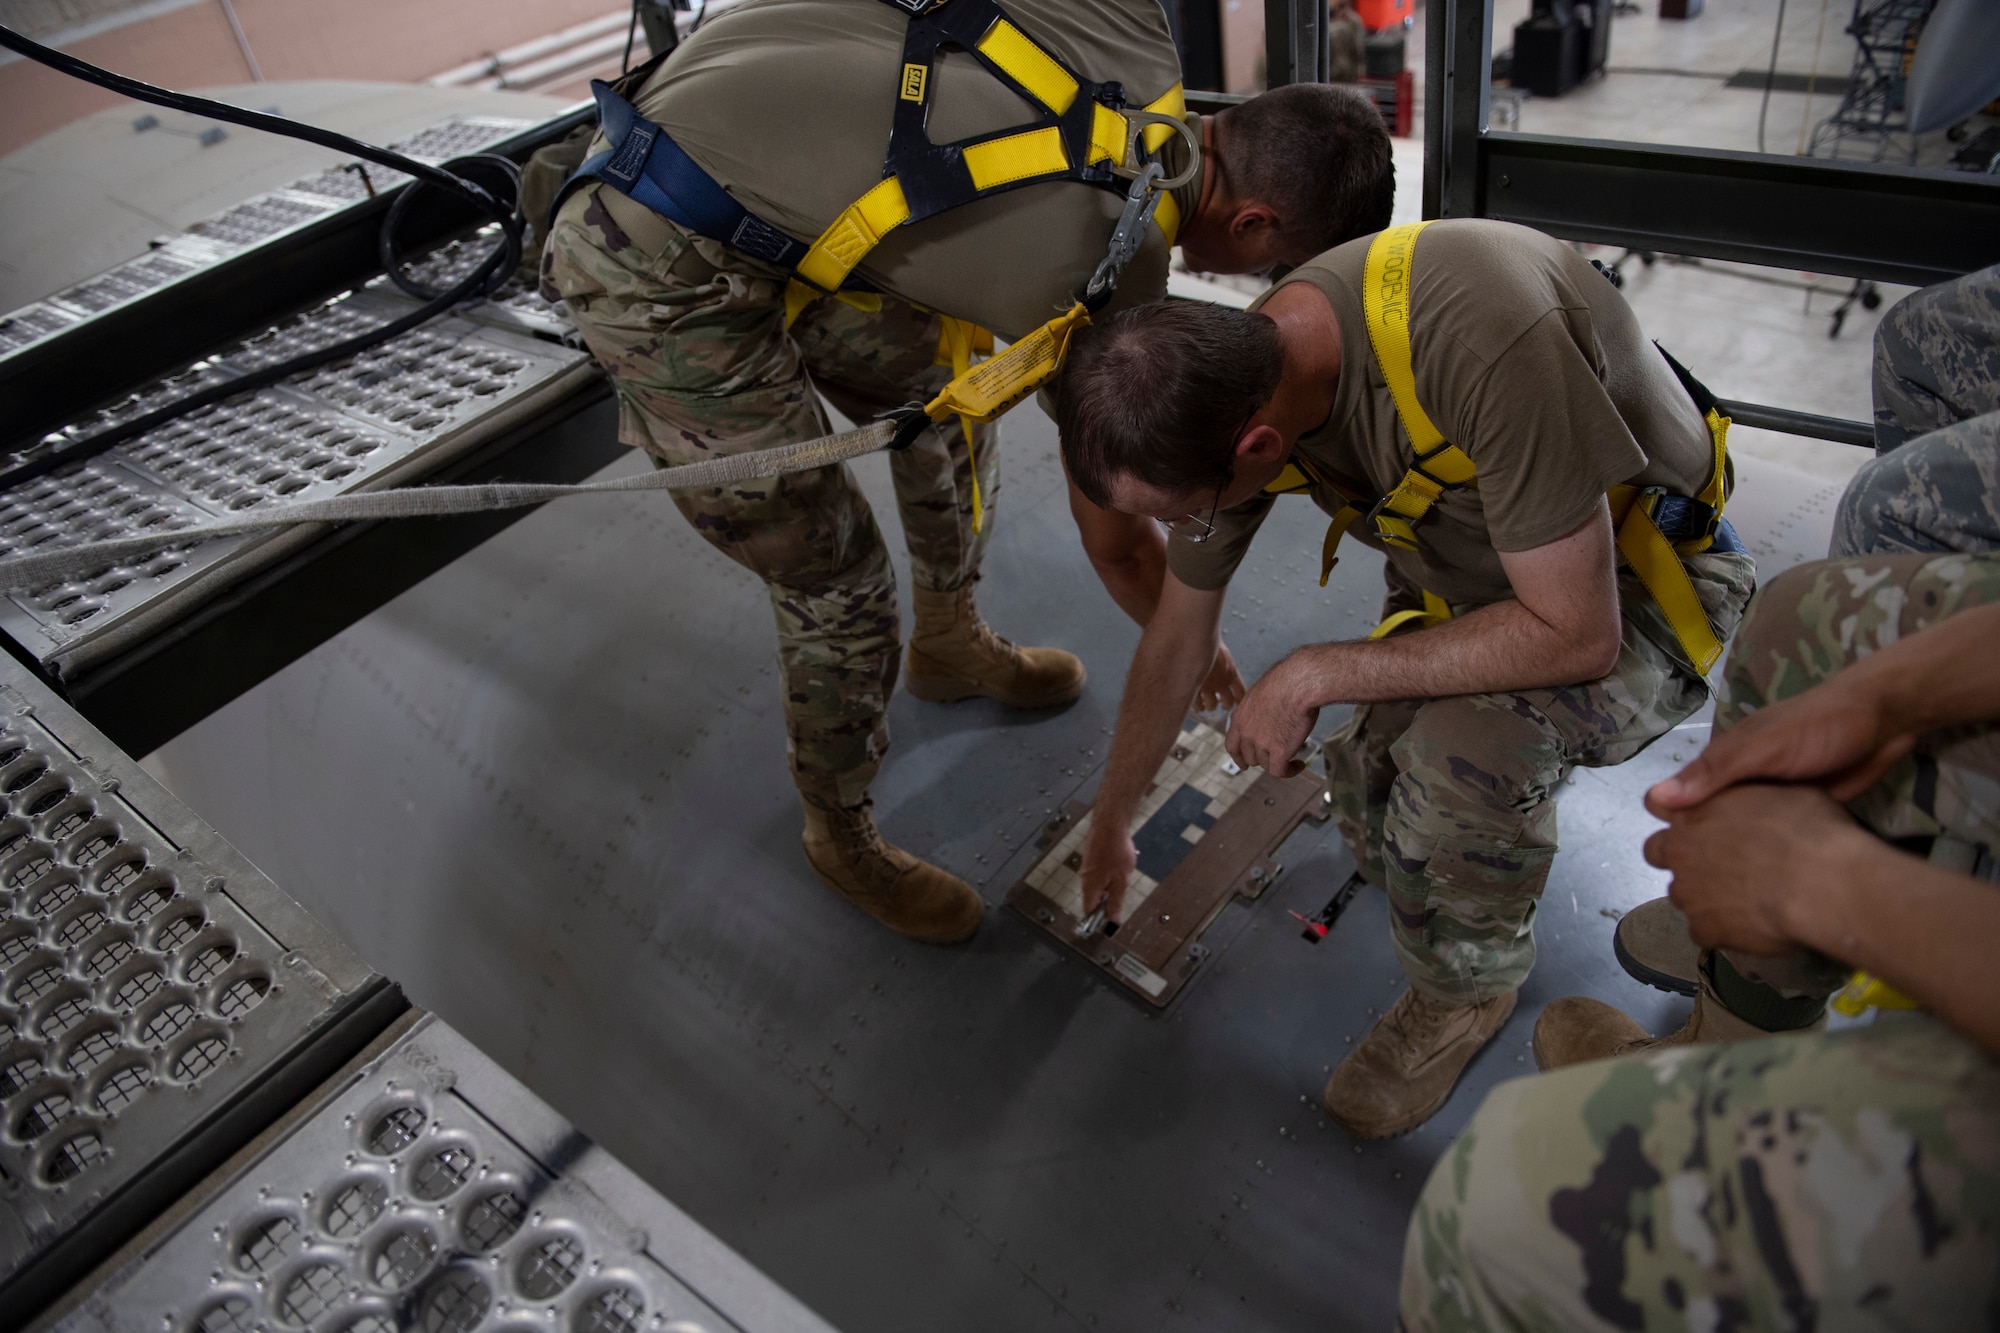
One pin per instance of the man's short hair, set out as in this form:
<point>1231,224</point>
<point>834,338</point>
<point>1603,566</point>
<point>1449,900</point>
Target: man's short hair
<point>1318,154</point>
<point>1160,392</point>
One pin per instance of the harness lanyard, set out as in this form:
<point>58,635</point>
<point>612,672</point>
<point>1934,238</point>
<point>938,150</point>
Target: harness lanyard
<point>1440,466</point>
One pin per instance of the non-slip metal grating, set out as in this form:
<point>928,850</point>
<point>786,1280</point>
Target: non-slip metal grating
<point>141,986</point>
<point>427,1195</point>
<point>252,222</point>
<point>355,424</point>
<point>517,305</point>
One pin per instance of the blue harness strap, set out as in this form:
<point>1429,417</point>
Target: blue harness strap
<point>645,165</point>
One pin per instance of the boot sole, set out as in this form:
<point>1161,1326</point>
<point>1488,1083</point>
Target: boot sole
<point>1670,982</point>
<point>952,691</point>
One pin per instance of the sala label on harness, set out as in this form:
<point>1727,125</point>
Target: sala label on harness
<point>914,79</point>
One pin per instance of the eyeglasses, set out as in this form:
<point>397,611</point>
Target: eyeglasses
<point>1194,528</point>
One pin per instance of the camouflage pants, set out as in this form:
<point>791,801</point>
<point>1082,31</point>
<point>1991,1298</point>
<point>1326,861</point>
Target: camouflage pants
<point>1936,484</point>
<point>695,340</point>
<point>1448,804</point>
<point>1831,1180</point>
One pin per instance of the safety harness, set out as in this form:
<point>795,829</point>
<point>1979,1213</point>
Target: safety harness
<point>1081,131</point>
<point>1656,530</point>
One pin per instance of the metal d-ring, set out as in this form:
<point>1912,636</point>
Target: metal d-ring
<point>1135,124</point>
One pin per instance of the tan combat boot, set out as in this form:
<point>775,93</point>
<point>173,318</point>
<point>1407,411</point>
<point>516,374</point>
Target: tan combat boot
<point>911,897</point>
<point>1652,943</point>
<point>1578,1028</point>
<point>1402,1072</point>
<point>955,655</point>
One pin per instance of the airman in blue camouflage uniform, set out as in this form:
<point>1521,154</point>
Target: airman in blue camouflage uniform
<point>1936,483</point>
<point>1793,1181</point>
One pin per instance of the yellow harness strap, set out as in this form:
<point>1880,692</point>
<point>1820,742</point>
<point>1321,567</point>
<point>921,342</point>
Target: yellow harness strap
<point>1865,991</point>
<point>1440,466</point>
<point>992,164</point>
<point>958,339</point>
<point>1436,611</point>
<point>1298,477</point>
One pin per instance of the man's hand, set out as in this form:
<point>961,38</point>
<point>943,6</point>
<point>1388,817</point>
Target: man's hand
<point>1109,858</point>
<point>1272,723</point>
<point>1224,687</point>
<point>1748,861</point>
<point>1838,736</point>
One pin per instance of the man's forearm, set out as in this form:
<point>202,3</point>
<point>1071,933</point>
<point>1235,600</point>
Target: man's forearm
<point>1926,931</point>
<point>1941,677</point>
<point>1503,646</point>
<point>1166,670</point>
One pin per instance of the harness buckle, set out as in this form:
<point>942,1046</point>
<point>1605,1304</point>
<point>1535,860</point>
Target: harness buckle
<point>1135,125</point>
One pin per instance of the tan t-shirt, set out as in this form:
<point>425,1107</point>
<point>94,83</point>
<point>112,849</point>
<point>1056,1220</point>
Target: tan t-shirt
<point>1530,362</point>
<point>788,103</point>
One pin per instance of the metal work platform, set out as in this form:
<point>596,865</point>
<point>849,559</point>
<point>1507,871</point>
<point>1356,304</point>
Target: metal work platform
<point>261,220</point>
<point>430,1190</point>
<point>161,1001</point>
<point>393,413</point>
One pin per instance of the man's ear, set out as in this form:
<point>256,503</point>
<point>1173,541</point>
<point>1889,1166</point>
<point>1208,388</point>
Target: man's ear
<point>1253,222</point>
<point>1261,445</point>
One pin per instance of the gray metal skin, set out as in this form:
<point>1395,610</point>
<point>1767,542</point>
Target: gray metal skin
<point>582,850</point>
<point>431,1189</point>
<point>155,988</point>
<point>1856,220</point>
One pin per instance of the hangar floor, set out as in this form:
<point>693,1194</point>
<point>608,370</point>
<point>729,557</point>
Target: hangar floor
<point>546,790</point>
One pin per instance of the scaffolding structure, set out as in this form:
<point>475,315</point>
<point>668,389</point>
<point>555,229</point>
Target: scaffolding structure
<point>1871,121</point>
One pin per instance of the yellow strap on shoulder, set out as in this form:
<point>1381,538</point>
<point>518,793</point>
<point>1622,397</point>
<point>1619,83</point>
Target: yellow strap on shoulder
<point>1385,303</point>
<point>957,340</point>
<point>1865,991</point>
<point>1029,65</point>
<point>1436,611</point>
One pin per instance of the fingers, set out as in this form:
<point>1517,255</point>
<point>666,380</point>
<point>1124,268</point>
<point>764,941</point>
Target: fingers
<point>1656,850</point>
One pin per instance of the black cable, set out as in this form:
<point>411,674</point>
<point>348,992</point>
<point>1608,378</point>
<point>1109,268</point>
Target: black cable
<point>490,274</point>
<point>631,34</point>
<point>1770,74</point>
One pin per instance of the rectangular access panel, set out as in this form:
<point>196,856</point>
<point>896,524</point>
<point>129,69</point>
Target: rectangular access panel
<point>429,1190</point>
<point>1207,831</point>
<point>161,1001</point>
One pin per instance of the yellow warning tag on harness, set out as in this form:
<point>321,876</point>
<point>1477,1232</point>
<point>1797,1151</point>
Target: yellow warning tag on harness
<point>993,386</point>
<point>914,79</point>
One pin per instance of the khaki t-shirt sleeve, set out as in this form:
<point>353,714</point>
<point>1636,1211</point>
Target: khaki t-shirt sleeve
<point>1210,564</point>
<point>1544,435</point>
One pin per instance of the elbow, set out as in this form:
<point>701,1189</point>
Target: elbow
<point>1598,652</point>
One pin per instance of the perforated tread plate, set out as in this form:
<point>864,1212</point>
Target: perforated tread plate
<point>379,419</point>
<point>148,973</point>
<point>255,221</point>
<point>432,1191</point>
<point>1206,831</point>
